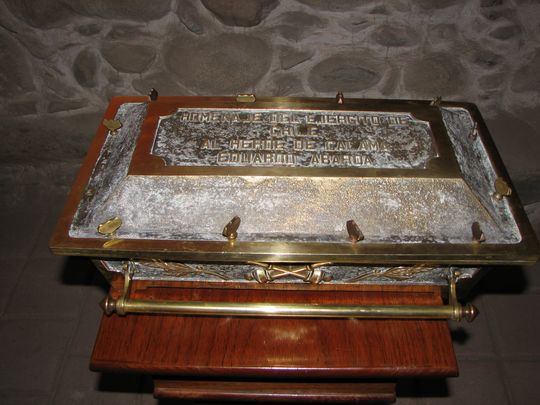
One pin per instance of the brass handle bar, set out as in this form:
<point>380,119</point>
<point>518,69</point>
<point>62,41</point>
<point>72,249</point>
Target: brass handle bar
<point>129,306</point>
<point>453,310</point>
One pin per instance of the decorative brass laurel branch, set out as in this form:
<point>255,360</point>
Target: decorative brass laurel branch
<point>181,269</point>
<point>398,273</point>
<point>268,273</point>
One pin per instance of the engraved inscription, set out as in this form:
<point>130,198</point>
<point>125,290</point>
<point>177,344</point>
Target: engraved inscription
<point>267,138</point>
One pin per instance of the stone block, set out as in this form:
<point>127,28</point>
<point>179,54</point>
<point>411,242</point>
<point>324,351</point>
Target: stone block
<point>526,78</point>
<point>334,6</point>
<point>129,58</point>
<point>294,26</point>
<point>89,29</point>
<point>436,5</point>
<point>393,35</point>
<point>126,32</point>
<point>240,13</point>
<point>282,85</point>
<point>222,65</point>
<point>161,81</point>
<point>85,67</point>
<point>60,140</point>
<point>347,73</point>
<point>15,69</point>
<point>16,108</point>
<point>505,32</point>
<point>290,57</point>
<point>42,13</point>
<point>436,74</point>
<point>189,16</point>
<point>137,10</point>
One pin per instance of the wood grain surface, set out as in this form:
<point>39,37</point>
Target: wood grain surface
<point>282,391</point>
<point>276,347</point>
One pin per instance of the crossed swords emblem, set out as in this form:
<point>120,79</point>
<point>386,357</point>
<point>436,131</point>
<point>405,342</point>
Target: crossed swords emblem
<point>309,273</point>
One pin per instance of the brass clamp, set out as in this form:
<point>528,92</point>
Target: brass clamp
<point>126,305</point>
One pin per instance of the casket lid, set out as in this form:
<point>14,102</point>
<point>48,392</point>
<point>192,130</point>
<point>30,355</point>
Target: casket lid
<point>422,182</point>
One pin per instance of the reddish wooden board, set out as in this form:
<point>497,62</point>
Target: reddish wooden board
<point>247,391</point>
<point>276,347</point>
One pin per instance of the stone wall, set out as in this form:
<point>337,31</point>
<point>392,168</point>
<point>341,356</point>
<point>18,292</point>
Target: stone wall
<point>63,59</point>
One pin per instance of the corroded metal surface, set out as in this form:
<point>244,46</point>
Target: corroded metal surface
<point>267,138</point>
<point>434,177</point>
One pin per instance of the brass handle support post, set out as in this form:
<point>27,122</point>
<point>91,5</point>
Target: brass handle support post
<point>453,310</point>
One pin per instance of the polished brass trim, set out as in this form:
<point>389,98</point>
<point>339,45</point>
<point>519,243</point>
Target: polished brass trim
<point>502,189</point>
<point>230,230</point>
<point>112,125</point>
<point>355,234</point>
<point>180,269</point>
<point>478,235</point>
<point>109,227</point>
<point>398,273</point>
<point>453,310</point>
<point>268,272</point>
<point>245,98</point>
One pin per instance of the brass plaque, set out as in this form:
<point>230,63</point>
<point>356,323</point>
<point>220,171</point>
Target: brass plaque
<point>294,138</point>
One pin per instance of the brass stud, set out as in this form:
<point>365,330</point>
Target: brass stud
<point>230,230</point>
<point>477,233</point>
<point>109,227</point>
<point>112,125</point>
<point>153,94</point>
<point>502,189</point>
<point>245,98</point>
<point>355,234</point>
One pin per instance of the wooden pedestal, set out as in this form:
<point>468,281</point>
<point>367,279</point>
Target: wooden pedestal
<point>276,359</point>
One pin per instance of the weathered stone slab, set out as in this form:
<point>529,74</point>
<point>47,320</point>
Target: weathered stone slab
<point>435,75</point>
<point>41,14</point>
<point>137,10</point>
<point>240,13</point>
<point>129,58</point>
<point>85,66</point>
<point>226,64</point>
<point>527,77</point>
<point>290,57</point>
<point>345,72</point>
<point>395,36</point>
<point>15,70</point>
<point>188,14</point>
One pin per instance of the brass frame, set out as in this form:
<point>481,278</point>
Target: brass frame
<point>126,305</point>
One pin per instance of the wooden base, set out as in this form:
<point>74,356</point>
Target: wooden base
<point>248,391</point>
<point>247,359</point>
